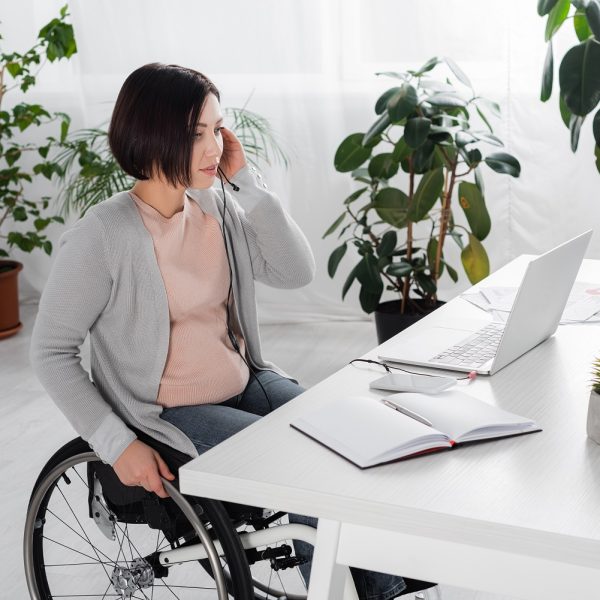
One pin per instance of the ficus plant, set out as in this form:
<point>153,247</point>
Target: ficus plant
<point>578,73</point>
<point>422,152</point>
<point>19,71</point>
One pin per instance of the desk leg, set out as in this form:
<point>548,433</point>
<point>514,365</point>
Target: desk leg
<point>328,579</point>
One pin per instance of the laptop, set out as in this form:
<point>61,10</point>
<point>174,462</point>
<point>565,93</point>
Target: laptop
<point>486,347</point>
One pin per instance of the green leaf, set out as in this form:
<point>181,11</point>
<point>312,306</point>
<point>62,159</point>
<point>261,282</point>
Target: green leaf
<point>349,281</point>
<point>351,153</point>
<point>387,244</point>
<point>369,300</point>
<point>484,119</point>
<point>557,17</point>
<point>47,245</point>
<point>401,150</point>
<point>64,130</point>
<point>473,204</point>
<point>355,195</point>
<point>402,103</point>
<point>335,258</point>
<point>19,214</point>
<point>474,157</point>
<point>416,131</point>
<point>391,204</point>
<point>432,252</point>
<point>579,77</point>
<point>334,225</point>
<point>462,138</point>
<point>426,282</point>
<point>575,128</point>
<point>592,12</point>
<point>565,113</point>
<point>41,224</point>
<point>377,128</point>
<point>423,157</point>
<point>458,72</point>
<point>547,75</point>
<point>401,269</point>
<point>12,156</point>
<point>452,272</point>
<point>479,180</point>
<point>383,166</point>
<point>596,127</point>
<point>580,23</point>
<point>447,101</point>
<point>381,103</point>
<point>501,162</point>
<point>545,6</point>
<point>475,260</point>
<point>368,274</point>
<point>428,191</point>
<point>493,107</point>
<point>428,66</point>
<point>489,138</point>
<point>14,68</point>
<point>597,156</point>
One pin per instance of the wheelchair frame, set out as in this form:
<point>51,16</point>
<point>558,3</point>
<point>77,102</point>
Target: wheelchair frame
<point>204,550</point>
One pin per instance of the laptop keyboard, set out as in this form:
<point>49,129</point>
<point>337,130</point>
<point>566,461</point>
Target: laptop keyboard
<point>475,350</point>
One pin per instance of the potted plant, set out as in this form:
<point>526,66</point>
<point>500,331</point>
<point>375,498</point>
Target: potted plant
<point>578,72</point>
<point>422,152</point>
<point>88,173</point>
<point>55,41</point>
<point>593,418</point>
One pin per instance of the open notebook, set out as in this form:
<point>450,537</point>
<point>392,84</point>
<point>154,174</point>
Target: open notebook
<point>369,432</point>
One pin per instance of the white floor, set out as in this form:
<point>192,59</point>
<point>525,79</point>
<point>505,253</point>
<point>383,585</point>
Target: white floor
<point>32,428</point>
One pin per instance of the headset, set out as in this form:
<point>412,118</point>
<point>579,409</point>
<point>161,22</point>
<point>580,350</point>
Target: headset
<point>230,332</point>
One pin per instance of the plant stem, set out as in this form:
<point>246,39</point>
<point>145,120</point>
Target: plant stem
<point>409,236</point>
<point>445,219</point>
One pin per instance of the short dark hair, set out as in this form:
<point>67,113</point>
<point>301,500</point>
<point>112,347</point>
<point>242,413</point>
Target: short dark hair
<point>153,123</point>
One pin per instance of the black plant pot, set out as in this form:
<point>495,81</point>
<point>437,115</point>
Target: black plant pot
<point>389,321</point>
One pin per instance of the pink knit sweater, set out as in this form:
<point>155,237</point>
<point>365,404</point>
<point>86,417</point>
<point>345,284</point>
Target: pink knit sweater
<point>201,367</point>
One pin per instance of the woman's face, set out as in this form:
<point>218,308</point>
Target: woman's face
<point>208,144</point>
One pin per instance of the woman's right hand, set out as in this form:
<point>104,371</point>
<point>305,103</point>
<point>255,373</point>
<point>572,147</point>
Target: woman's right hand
<point>141,465</point>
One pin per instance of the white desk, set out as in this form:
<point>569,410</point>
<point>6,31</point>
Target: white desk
<point>519,516</point>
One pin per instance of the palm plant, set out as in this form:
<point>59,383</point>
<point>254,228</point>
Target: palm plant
<point>89,173</point>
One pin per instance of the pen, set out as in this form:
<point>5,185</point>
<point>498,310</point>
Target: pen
<point>407,412</point>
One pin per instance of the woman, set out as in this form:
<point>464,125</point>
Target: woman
<point>162,276</point>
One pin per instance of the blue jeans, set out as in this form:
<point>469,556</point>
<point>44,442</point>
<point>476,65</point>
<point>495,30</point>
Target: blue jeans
<point>208,424</point>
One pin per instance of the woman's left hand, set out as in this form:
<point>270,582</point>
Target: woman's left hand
<point>233,157</point>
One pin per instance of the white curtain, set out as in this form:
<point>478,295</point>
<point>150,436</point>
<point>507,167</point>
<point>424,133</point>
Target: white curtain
<point>309,66</point>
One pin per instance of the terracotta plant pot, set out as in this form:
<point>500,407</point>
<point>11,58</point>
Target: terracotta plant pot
<point>389,321</point>
<point>593,417</point>
<point>9,298</point>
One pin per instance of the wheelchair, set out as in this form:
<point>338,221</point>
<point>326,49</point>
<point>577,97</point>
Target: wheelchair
<point>88,535</point>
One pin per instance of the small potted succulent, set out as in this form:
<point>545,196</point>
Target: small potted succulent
<point>593,419</point>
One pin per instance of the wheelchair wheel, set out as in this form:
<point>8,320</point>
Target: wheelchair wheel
<point>68,553</point>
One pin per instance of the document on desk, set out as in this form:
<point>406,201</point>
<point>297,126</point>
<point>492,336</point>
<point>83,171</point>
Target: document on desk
<point>583,305</point>
<point>369,431</point>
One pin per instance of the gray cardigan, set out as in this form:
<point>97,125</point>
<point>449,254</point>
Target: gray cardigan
<point>105,279</point>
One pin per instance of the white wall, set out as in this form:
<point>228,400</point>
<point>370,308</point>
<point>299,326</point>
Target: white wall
<point>309,65</point>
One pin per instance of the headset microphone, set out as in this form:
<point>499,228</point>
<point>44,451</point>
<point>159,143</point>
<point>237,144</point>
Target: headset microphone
<point>236,188</point>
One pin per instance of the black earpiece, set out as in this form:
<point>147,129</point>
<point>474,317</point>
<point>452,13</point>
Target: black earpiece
<point>235,188</point>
